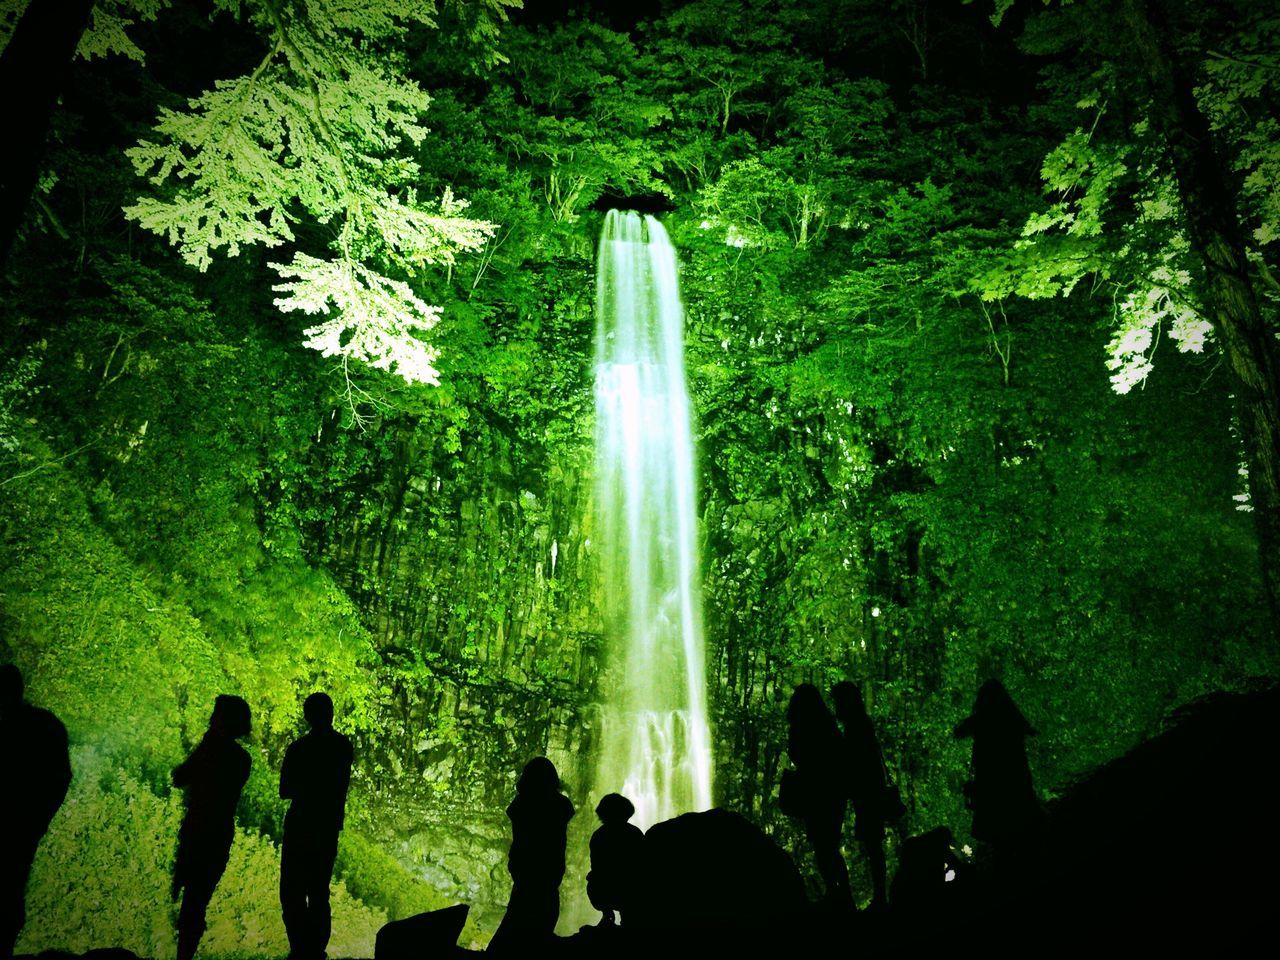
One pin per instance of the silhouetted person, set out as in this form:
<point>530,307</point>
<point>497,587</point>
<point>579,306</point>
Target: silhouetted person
<point>213,777</point>
<point>1006,812</point>
<point>816,785</point>
<point>36,772</point>
<point>617,851</point>
<point>540,816</point>
<point>928,876</point>
<point>866,783</point>
<point>315,776</point>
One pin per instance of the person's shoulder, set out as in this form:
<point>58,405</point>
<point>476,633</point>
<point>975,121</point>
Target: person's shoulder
<point>46,722</point>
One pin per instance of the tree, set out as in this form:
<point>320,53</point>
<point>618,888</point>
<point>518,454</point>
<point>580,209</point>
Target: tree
<point>1148,207</point>
<point>33,67</point>
<point>318,131</point>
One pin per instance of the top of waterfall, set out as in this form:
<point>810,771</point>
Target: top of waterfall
<point>631,226</point>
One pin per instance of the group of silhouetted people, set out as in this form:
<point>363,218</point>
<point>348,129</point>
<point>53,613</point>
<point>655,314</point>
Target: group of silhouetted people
<point>833,769</point>
<point>837,765</point>
<point>540,816</point>
<point>314,778</point>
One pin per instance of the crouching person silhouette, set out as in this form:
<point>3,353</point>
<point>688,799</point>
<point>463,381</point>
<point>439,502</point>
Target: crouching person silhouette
<point>213,777</point>
<point>315,776</point>
<point>37,772</point>
<point>617,850</point>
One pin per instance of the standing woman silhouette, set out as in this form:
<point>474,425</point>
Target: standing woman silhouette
<point>540,816</point>
<point>213,777</point>
<point>818,794</point>
<point>866,782</point>
<point>1006,811</point>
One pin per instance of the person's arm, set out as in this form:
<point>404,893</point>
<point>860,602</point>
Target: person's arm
<point>344,780</point>
<point>183,771</point>
<point>287,787</point>
<point>64,760</point>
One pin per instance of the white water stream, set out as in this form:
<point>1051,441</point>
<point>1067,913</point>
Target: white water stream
<point>655,741</point>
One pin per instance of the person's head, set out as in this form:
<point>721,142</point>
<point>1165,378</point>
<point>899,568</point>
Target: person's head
<point>318,709</point>
<point>230,716</point>
<point>614,808</point>
<point>539,776</point>
<point>994,708</point>
<point>847,697</point>
<point>11,687</point>
<point>806,705</point>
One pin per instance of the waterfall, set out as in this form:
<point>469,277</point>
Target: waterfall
<point>655,745</point>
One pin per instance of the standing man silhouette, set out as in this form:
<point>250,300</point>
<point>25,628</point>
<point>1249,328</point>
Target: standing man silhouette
<point>213,777</point>
<point>37,772</point>
<point>315,776</point>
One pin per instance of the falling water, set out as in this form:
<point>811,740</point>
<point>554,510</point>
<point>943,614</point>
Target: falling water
<point>656,746</point>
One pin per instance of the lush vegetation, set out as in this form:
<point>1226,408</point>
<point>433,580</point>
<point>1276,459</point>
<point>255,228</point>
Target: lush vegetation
<point>929,260</point>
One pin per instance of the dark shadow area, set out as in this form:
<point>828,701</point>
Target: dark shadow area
<point>36,772</point>
<point>1105,865</point>
<point>651,203</point>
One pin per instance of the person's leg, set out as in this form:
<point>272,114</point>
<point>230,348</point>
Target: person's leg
<point>202,880</point>
<point>17,852</point>
<point>319,915</point>
<point>512,933</point>
<point>823,830</point>
<point>548,910</point>
<point>873,845</point>
<point>293,895</point>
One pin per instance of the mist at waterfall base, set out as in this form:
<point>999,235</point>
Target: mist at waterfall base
<point>655,744</point>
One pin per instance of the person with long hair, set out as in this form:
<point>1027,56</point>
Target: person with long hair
<point>866,783</point>
<point>816,792</point>
<point>540,816</point>
<point>213,778</point>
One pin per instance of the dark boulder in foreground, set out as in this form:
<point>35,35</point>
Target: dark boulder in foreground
<point>711,884</point>
<point>1172,845</point>
<point>1179,836</point>
<point>715,868</point>
<point>427,935</point>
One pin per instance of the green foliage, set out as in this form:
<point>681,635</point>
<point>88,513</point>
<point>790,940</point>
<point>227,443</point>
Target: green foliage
<point>109,26</point>
<point>320,127</point>
<point>379,880</point>
<point>1115,218</point>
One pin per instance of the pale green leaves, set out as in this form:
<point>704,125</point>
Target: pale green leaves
<point>310,130</point>
<point>1085,176</point>
<point>1164,299</point>
<point>1115,220</point>
<point>373,319</point>
<point>321,132</point>
<point>109,25</point>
